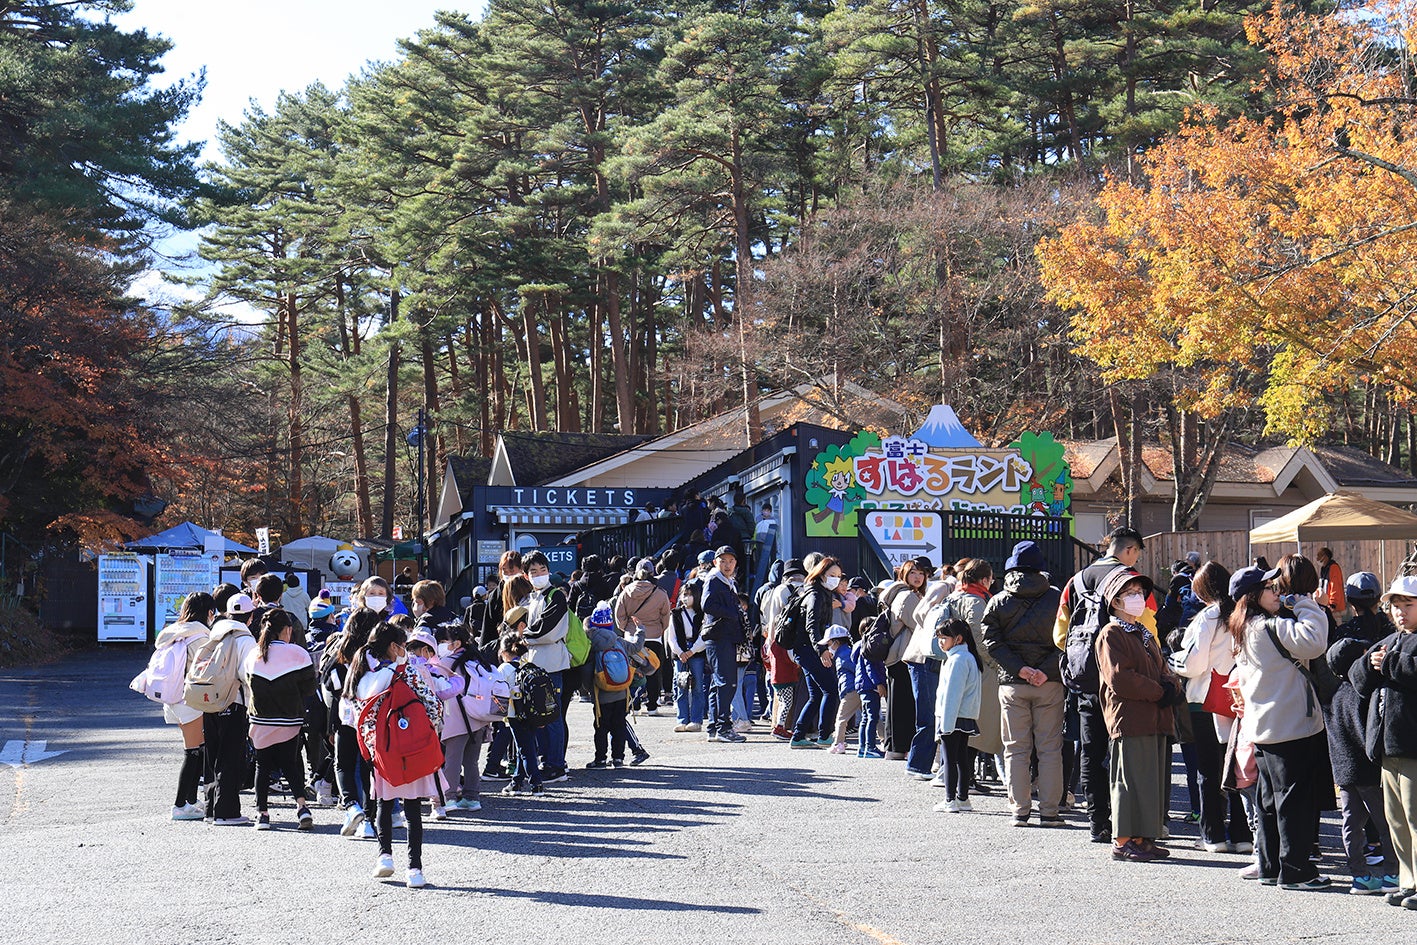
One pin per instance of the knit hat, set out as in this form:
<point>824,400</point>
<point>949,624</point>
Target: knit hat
<point>1027,556</point>
<point>321,607</point>
<point>602,617</point>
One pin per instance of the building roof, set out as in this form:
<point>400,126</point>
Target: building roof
<point>687,453</point>
<point>1355,468</point>
<point>531,459</point>
<point>469,471</point>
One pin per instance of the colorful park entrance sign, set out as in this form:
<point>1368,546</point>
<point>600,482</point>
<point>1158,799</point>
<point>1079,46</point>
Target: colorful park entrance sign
<point>941,468</point>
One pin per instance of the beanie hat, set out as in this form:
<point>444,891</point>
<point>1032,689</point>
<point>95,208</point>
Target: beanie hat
<point>602,617</point>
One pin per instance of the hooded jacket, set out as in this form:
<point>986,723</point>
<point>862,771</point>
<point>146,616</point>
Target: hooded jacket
<point>1018,626</point>
<point>604,638</point>
<point>643,601</point>
<point>723,620</point>
<point>547,623</point>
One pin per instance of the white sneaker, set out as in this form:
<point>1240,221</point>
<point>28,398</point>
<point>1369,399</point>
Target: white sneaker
<point>946,807</point>
<point>938,781</point>
<point>440,813</point>
<point>654,711</point>
<point>415,879</point>
<point>400,821</point>
<point>367,832</point>
<point>742,726</point>
<point>1221,847</point>
<point>323,795</point>
<point>188,812</point>
<point>682,727</point>
<point>353,819</point>
<point>385,867</point>
<point>694,727</point>
<point>964,807</point>
<point>1244,846</point>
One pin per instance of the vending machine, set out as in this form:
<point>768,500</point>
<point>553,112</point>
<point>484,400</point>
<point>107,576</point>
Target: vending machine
<point>122,598</point>
<point>180,573</point>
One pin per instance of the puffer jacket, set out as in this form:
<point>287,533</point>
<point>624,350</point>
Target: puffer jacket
<point>1134,682</point>
<point>1392,697</point>
<point>644,602</point>
<point>1018,626</point>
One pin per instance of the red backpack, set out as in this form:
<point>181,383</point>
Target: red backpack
<point>405,744</point>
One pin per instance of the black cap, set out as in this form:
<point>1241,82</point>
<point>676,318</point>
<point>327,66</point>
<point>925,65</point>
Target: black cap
<point>793,566</point>
<point>726,550</point>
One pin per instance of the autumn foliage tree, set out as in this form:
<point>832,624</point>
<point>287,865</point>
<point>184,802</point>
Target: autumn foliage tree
<point>1263,262</point>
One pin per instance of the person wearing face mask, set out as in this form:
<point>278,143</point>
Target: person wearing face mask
<point>430,607</point>
<point>1139,695</point>
<point>813,728</point>
<point>547,625</point>
<point>782,669</point>
<point>686,648</point>
<point>374,595</point>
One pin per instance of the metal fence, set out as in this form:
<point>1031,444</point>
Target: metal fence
<point>990,536</point>
<point>633,539</point>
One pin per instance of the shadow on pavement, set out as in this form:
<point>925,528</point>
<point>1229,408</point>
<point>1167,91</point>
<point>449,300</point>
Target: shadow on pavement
<point>584,900</point>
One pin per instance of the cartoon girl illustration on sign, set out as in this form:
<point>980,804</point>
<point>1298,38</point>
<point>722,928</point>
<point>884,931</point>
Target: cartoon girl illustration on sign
<point>841,476</point>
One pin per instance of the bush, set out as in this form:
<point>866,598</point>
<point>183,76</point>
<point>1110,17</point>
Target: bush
<point>23,641</point>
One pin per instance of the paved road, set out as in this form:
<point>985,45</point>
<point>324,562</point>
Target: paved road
<point>706,843</point>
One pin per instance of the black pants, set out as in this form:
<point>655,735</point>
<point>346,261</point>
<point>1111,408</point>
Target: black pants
<point>957,764</point>
<point>384,828</point>
<point>610,730</point>
<point>351,773</point>
<point>1288,802</point>
<point>283,757</point>
<point>658,683</point>
<point>225,734</point>
<point>1222,812</point>
<point>900,709</point>
<point>1092,774</point>
<point>193,760</point>
<point>317,746</point>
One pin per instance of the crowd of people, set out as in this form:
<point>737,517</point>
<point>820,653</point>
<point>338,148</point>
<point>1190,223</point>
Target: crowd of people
<point>1287,689</point>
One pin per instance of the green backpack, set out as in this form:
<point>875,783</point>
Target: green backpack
<point>577,640</point>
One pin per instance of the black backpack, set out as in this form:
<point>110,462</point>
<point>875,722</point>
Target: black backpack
<point>792,622</point>
<point>876,641</point>
<point>1079,664</point>
<point>538,704</point>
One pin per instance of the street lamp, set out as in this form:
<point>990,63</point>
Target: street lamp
<point>415,438</point>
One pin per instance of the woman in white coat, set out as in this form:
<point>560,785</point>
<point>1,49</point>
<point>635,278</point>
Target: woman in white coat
<point>190,630</point>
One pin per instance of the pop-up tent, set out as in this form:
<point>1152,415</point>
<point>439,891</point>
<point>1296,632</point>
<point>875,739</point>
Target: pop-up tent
<point>184,536</point>
<point>1338,516</point>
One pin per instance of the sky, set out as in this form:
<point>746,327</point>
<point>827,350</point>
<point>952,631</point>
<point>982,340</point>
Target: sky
<point>255,49</point>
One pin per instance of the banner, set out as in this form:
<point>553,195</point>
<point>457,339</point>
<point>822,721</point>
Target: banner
<point>941,468</point>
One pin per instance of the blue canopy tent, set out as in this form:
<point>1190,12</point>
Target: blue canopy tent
<point>185,535</point>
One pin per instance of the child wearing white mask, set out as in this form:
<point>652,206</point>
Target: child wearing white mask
<point>1139,694</point>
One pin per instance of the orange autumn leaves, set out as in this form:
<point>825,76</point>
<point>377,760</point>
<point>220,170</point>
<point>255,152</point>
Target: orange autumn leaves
<point>1268,258</point>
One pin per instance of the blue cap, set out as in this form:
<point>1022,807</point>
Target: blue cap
<point>706,557</point>
<point>1362,586</point>
<point>1247,579</point>
<point>1027,556</point>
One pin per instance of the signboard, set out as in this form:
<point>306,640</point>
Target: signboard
<point>906,535</point>
<point>572,497</point>
<point>562,558</point>
<point>180,573</point>
<point>341,592</point>
<point>941,468</point>
<point>490,552</point>
<point>263,541</point>
<point>398,533</point>
<point>122,598</point>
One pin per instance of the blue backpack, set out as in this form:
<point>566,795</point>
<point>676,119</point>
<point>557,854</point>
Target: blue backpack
<point>612,670</point>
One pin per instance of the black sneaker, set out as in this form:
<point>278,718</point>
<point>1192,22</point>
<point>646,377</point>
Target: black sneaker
<point>1021,820</point>
<point>598,764</point>
<point>618,762</point>
<point>496,774</point>
<point>263,821</point>
<point>537,790</point>
<point>554,776</point>
<point>1101,836</point>
<point>730,736</point>
<point>640,759</point>
<point>1396,899</point>
<point>1053,821</point>
<point>515,790</point>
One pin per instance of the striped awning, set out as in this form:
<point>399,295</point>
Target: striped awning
<point>544,515</point>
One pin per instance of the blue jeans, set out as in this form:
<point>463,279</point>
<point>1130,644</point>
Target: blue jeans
<point>870,719</point>
<point>923,683</point>
<point>747,692</point>
<point>551,739</point>
<point>819,709</point>
<point>527,770</point>
<point>690,704</point>
<point>722,659</point>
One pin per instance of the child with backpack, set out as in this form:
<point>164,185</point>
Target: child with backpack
<point>213,687</point>
<point>957,703</point>
<point>513,651</point>
<point>840,650</point>
<point>614,658</point>
<point>164,680</point>
<point>351,770</point>
<point>279,677</point>
<point>399,717</point>
<point>871,689</point>
<point>448,687</point>
<point>465,728</point>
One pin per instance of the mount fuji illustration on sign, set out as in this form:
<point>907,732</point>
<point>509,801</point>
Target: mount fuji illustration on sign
<point>943,430</point>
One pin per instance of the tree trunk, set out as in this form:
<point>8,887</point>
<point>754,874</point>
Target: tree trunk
<point>1125,422</point>
<point>391,421</point>
<point>295,518</point>
<point>531,340</point>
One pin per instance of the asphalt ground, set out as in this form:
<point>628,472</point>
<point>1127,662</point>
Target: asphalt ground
<point>706,842</point>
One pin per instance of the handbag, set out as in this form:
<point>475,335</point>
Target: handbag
<point>1217,696</point>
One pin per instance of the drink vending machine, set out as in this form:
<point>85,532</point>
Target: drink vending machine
<point>122,598</point>
<point>180,573</point>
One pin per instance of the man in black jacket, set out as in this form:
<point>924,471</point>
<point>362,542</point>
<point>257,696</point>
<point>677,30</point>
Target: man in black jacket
<point>1018,633</point>
<point>722,632</point>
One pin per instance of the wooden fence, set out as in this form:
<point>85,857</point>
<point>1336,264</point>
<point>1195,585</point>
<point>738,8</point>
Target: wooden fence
<point>1233,549</point>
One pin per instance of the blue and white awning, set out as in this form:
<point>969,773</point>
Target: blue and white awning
<point>551,515</point>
